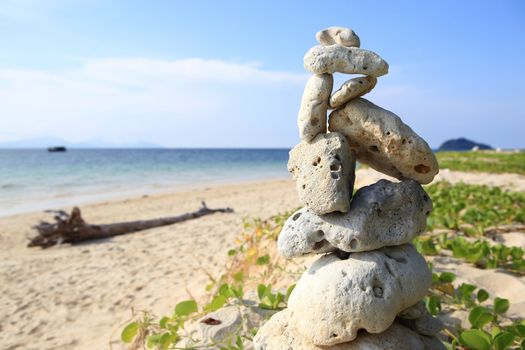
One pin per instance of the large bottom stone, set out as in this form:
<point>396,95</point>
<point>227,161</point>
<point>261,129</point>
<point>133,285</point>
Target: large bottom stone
<point>342,294</point>
<point>277,334</point>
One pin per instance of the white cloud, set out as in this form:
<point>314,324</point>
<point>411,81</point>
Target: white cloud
<point>137,98</point>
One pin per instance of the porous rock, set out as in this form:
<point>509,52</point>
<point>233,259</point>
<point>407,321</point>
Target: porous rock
<point>324,173</point>
<point>383,214</point>
<point>314,106</point>
<point>338,35</point>
<point>381,139</point>
<point>278,334</point>
<point>351,89</point>
<point>338,295</point>
<point>351,60</point>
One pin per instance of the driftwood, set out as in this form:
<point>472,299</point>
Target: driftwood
<point>71,228</point>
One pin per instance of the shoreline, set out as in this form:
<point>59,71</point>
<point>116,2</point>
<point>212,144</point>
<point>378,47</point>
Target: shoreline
<point>507,181</point>
<point>59,202</point>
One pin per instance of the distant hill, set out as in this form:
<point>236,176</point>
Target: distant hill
<point>44,142</point>
<point>461,144</point>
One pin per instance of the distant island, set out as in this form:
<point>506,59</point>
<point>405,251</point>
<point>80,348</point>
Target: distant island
<point>462,144</point>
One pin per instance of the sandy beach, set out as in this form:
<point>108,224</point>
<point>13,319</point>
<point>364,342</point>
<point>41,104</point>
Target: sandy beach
<point>78,297</point>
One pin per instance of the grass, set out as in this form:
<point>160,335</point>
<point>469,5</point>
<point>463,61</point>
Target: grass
<point>483,161</point>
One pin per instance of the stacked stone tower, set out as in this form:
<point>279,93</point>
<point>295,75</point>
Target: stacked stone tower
<point>366,290</point>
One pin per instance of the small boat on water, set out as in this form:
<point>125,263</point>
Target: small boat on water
<point>57,149</point>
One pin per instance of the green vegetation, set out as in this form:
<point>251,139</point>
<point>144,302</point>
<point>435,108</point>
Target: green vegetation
<point>462,216</point>
<point>473,208</point>
<point>489,327</point>
<point>490,162</point>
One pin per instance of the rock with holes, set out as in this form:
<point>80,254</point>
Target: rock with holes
<point>314,106</point>
<point>351,89</point>
<point>383,214</point>
<point>381,139</point>
<point>221,327</point>
<point>278,334</point>
<point>351,60</point>
<point>324,172</point>
<point>338,35</point>
<point>342,293</point>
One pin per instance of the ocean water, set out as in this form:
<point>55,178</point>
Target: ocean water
<point>37,180</point>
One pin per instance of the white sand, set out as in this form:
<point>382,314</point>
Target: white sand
<point>76,297</point>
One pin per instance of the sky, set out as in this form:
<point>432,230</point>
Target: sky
<point>230,73</point>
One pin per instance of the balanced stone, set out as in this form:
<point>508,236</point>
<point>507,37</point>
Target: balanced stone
<point>338,295</point>
<point>351,89</point>
<point>351,60</point>
<point>277,334</point>
<point>324,173</point>
<point>381,139</point>
<point>314,106</point>
<point>383,214</point>
<point>338,35</point>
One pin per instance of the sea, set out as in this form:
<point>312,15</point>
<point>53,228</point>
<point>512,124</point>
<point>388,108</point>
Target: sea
<point>35,179</point>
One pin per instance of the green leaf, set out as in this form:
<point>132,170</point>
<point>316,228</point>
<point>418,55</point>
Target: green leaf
<point>479,316</point>
<point>265,306</point>
<point>289,291</point>
<point>520,329</point>
<point>482,295</point>
<point>185,308</point>
<point>433,305</point>
<point>232,252</point>
<point>503,340</point>
<point>447,277</point>
<point>216,303</point>
<point>129,332</point>
<point>475,339</point>
<point>261,291</point>
<point>153,340</point>
<point>238,276</point>
<point>165,340</point>
<point>501,305</point>
<point>263,260</point>
<point>225,290</point>
<point>163,321</point>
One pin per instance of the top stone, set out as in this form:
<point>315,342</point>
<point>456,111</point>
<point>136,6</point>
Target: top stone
<point>349,60</point>
<point>338,35</point>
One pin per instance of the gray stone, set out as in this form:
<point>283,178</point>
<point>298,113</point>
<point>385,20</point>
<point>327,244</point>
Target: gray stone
<point>351,89</point>
<point>336,297</point>
<point>278,334</point>
<point>324,173</point>
<point>351,60</point>
<point>383,214</point>
<point>420,320</point>
<point>425,325</point>
<point>415,311</point>
<point>314,106</point>
<point>338,35</point>
<point>381,139</point>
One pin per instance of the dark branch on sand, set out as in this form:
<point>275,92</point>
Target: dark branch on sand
<point>71,228</point>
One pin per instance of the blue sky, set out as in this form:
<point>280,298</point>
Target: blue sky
<point>230,74</point>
